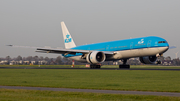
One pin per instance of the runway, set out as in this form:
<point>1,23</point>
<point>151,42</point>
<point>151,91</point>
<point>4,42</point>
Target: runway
<point>166,69</point>
<point>95,91</point>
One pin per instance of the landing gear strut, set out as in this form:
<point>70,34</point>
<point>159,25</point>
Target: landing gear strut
<point>95,66</point>
<point>124,66</point>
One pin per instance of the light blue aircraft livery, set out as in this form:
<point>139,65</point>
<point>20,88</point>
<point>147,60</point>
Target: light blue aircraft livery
<point>148,49</point>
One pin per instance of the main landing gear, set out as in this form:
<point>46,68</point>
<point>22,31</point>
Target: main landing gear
<point>95,66</point>
<point>124,66</point>
<point>158,62</point>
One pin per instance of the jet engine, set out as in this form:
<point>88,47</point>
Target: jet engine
<point>148,59</point>
<point>95,57</point>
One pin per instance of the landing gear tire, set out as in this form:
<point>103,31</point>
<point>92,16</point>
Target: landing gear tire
<point>95,66</point>
<point>159,62</point>
<point>124,66</point>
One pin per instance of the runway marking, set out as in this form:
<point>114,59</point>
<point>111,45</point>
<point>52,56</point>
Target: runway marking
<point>95,91</point>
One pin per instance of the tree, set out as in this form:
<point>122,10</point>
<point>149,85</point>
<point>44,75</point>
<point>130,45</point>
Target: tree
<point>19,58</point>
<point>168,58</point>
<point>41,58</point>
<point>46,58</point>
<point>29,58</point>
<point>8,58</point>
<point>176,62</point>
<point>52,61</point>
<point>24,58</point>
<point>36,59</point>
<point>58,60</point>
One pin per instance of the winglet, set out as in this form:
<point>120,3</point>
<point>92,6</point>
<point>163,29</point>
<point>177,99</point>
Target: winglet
<point>68,41</point>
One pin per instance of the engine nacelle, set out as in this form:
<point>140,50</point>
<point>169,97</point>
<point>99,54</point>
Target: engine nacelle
<point>95,57</point>
<point>148,59</point>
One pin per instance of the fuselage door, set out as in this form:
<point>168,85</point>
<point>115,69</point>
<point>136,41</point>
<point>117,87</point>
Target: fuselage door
<point>149,44</point>
<point>131,45</point>
<point>107,48</point>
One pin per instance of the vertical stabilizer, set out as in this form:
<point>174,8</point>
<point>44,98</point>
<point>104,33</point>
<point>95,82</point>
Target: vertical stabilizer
<point>68,41</point>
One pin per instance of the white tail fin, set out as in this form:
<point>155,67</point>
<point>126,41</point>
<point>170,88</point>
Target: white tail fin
<point>68,41</point>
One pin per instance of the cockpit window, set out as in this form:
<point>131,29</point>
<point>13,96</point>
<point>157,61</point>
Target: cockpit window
<point>162,42</point>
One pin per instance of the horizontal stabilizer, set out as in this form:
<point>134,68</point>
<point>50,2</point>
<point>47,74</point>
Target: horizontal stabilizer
<point>22,46</point>
<point>172,47</point>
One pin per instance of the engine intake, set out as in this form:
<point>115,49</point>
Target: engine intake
<point>148,59</point>
<point>96,57</point>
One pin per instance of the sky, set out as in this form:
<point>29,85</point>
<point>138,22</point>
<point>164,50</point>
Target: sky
<point>37,23</point>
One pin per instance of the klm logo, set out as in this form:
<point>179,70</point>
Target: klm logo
<point>68,39</point>
<point>141,42</point>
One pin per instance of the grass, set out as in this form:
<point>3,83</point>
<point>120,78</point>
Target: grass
<point>83,66</point>
<point>136,80</point>
<point>53,66</point>
<point>35,95</point>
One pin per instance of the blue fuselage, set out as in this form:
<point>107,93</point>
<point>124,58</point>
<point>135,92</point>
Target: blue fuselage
<point>121,45</point>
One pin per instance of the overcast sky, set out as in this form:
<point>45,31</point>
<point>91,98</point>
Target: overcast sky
<point>37,22</point>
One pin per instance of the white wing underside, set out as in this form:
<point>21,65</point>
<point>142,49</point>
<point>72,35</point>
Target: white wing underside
<point>69,51</point>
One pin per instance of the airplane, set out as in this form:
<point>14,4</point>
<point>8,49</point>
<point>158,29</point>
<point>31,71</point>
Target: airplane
<point>148,49</point>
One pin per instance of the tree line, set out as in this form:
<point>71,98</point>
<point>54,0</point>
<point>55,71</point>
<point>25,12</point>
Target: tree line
<point>59,60</point>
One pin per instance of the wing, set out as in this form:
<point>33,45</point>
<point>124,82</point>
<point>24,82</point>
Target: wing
<point>61,51</point>
<point>68,51</point>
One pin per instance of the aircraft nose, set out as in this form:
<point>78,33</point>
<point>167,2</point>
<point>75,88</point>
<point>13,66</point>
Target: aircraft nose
<point>167,45</point>
<point>163,49</point>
